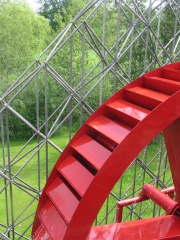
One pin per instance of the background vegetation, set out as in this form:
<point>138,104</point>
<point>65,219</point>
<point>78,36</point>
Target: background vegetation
<point>24,34</point>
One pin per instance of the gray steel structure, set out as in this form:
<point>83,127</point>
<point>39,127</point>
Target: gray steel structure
<point>134,49</point>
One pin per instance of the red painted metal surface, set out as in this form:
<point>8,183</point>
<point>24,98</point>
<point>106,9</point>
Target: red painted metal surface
<point>163,85</point>
<point>168,204</point>
<point>51,218</point>
<point>84,146</point>
<point>128,111</point>
<point>172,139</point>
<point>111,129</point>
<point>66,203</point>
<point>145,195</point>
<point>146,97</point>
<point>101,156</point>
<point>166,227</point>
<point>80,181</point>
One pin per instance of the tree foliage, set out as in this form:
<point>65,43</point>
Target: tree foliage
<point>49,9</point>
<point>23,35</point>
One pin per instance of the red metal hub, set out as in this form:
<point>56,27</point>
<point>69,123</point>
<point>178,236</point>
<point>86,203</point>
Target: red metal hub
<point>167,203</point>
<point>150,192</point>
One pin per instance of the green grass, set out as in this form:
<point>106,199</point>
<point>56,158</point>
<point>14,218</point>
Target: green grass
<point>17,198</point>
<point>29,174</point>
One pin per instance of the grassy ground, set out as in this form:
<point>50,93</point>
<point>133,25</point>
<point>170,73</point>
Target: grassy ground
<point>19,195</point>
<point>18,199</point>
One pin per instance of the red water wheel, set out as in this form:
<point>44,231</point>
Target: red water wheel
<point>102,150</point>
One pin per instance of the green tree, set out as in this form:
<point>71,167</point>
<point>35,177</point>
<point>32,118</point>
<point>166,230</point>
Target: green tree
<point>169,28</point>
<point>23,35</point>
<point>49,9</point>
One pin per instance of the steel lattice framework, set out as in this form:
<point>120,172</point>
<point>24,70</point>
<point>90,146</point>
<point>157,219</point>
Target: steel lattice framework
<point>142,38</point>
